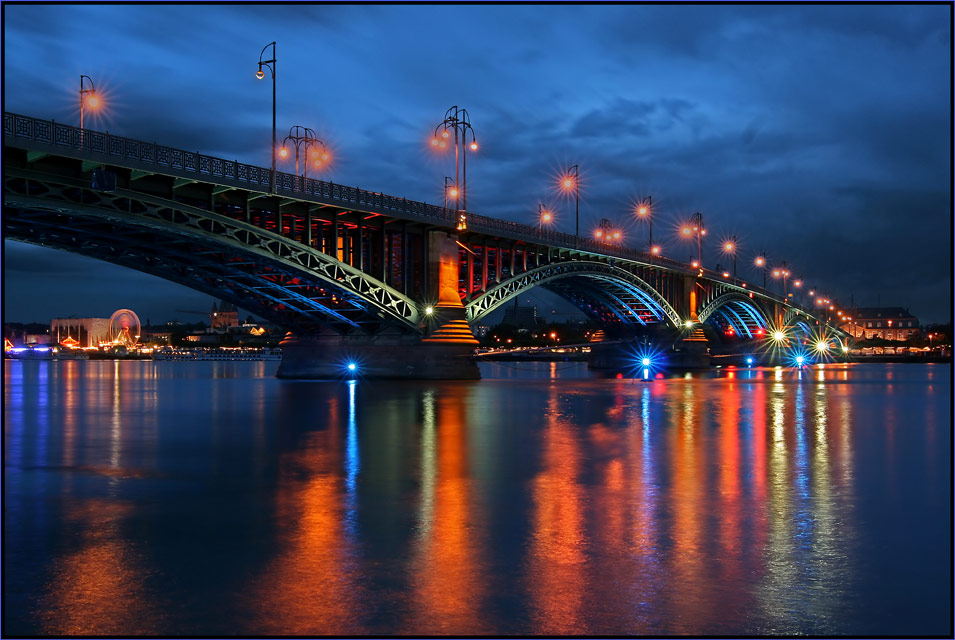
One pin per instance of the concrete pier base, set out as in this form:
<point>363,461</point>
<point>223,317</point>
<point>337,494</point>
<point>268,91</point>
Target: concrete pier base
<point>443,351</point>
<point>327,357</point>
<point>676,351</point>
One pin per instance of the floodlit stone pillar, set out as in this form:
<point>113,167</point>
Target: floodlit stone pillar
<point>444,353</point>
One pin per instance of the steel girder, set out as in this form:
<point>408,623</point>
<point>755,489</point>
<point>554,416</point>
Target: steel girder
<point>741,312</point>
<point>622,290</point>
<point>277,278</point>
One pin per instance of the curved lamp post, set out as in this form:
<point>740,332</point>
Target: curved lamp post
<point>760,263</point>
<point>783,272</point>
<point>271,64</point>
<point>450,191</point>
<point>88,97</point>
<point>644,211</point>
<point>458,120</point>
<point>730,247</point>
<point>572,181</point>
<point>695,227</point>
<point>543,215</point>
<point>303,136</point>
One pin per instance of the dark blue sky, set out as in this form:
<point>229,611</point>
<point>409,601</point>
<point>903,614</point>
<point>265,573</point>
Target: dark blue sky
<point>818,134</point>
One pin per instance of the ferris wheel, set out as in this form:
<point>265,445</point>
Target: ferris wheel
<point>124,327</point>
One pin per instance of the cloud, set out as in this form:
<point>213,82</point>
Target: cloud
<point>819,133</point>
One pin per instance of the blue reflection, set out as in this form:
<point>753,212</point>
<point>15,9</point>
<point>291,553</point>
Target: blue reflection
<point>352,460</point>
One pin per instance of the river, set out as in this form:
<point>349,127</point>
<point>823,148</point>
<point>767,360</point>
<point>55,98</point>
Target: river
<point>210,498</point>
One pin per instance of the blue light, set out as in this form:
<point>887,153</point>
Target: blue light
<point>647,360</point>
<point>352,366</point>
<point>749,360</point>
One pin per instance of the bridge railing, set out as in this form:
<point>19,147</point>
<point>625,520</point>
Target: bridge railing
<point>97,145</point>
<point>147,155</point>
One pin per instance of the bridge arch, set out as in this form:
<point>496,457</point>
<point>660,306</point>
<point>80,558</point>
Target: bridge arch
<point>277,278</point>
<point>589,285</point>
<point>738,311</point>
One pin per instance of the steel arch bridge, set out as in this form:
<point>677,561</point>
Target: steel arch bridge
<point>316,256</point>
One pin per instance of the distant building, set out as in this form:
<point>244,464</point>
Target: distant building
<point>88,332</point>
<point>889,323</point>
<point>521,317</point>
<point>224,317</point>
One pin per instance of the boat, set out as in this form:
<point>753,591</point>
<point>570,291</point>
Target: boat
<point>228,355</point>
<point>33,352</point>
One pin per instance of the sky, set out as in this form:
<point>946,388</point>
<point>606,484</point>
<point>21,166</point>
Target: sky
<point>819,135</point>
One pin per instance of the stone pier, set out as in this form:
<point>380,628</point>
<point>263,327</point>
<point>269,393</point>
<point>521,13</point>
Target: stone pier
<point>443,350</point>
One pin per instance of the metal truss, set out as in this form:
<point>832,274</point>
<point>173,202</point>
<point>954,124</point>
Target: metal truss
<point>621,290</point>
<point>738,310</point>
<point>284,281</point>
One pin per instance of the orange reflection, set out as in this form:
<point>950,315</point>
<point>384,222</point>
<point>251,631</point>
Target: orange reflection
<point>447,581</point>
<point>729,484</point>
<point>692,606</point>
<point>310,587</point>
<point>555,571</point>
<point>758,465</point>
<point>99,590</point>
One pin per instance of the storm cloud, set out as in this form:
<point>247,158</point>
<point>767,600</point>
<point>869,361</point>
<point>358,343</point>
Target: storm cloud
<point>819,134</point>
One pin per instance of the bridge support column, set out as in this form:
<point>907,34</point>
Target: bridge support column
<point>449,325</point>
<point>445,353</point>
<point>693,350</point>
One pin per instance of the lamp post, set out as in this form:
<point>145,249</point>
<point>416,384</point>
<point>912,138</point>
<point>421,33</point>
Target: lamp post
<point>572,181</point>
<point>543,215</point>
<point>93,99</point>
<point>783,273</point>
<point>458,120</point>
<point>450,190</point>
<point>695,226</point>
<point>645,210</point>
<point>730,247</point>
<point>760,263</point>
<point>303,136</point>
<point>271,64</point>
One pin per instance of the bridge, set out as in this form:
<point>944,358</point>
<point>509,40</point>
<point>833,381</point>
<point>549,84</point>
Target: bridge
<point>352,275</point>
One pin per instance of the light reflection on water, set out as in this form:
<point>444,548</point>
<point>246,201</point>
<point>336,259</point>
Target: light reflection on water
<point>211,498</point>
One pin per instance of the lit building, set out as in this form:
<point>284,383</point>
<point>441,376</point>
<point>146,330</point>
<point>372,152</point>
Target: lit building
<point>88,332</point>
<point>889,323</point>
<point>224,317</point>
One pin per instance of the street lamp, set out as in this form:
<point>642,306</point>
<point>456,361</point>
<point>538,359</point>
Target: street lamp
<point>783,273</point>
<point>730,247</point>
<point>645,211</point>
<point>571,180</point>
<point>605,232</point>
<point>760,263</point>
<point>457,119</point>
<point>89,98</point>
<point>450,191</point>
<point>271,64</point>
<point>543,215</point>
<point>299,136</point>
<point>695,226</point>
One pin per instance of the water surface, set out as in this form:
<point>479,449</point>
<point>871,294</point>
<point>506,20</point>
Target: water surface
<point>185,498</point>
